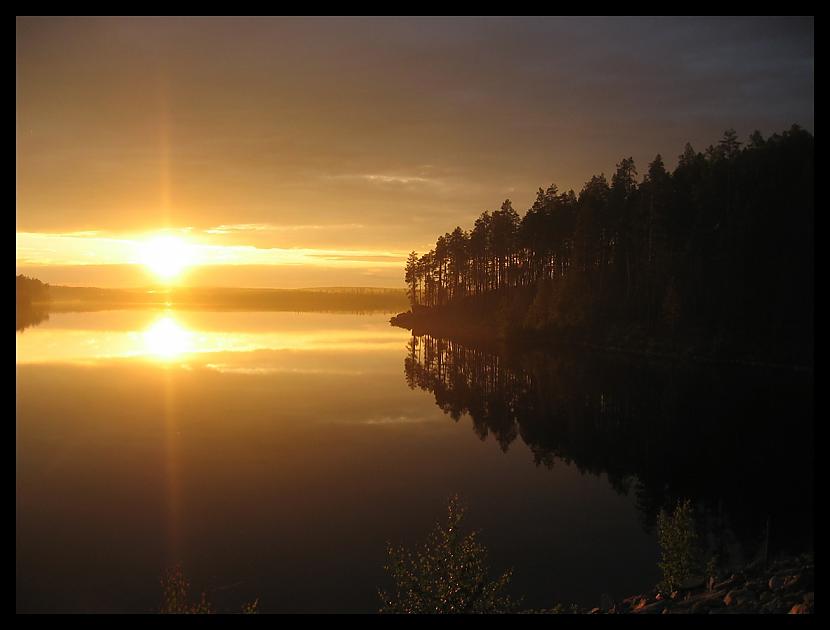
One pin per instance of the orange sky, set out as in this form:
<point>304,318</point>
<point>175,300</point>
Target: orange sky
<point>318,152</point>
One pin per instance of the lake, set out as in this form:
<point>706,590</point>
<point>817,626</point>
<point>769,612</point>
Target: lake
<point>274,454</point>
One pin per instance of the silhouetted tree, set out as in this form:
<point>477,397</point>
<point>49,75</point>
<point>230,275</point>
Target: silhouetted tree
<point>701,255</point>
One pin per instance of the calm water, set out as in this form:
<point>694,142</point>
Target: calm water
<point>274,454</point>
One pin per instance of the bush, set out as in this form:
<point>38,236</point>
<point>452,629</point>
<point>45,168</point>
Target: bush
<point>175,594</point>
<point>448,574</point>
<point>681,556</point>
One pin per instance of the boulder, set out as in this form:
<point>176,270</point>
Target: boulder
<point>740,597</point>
<point>726,584</point>
<point>776,583</point>
<point>701,607</point>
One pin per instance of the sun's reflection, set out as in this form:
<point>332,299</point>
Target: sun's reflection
<point>167,339</point>
<point>168,336</point>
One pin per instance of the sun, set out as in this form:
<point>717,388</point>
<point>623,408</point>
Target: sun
<point>166,256</point>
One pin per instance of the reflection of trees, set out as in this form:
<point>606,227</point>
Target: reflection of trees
<point>27,316</point>
<point>711,434</point>
<point>31,302</point>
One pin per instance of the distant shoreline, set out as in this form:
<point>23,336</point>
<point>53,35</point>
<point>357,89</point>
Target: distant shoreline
<point>79,299</point>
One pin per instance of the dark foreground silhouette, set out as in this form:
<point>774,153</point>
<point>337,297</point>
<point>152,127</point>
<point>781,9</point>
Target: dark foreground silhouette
<point>714,259</point>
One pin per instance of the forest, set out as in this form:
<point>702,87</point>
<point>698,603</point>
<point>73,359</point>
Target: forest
<point>714,258</point>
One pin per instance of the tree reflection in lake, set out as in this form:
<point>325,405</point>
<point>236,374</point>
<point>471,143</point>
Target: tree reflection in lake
<point>27,316</point>
<point>738,441</point>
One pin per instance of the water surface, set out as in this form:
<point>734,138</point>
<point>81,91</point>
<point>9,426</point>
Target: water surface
<point>275,454</point>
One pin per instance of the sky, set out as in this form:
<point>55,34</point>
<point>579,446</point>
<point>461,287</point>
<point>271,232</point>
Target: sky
<point>293,152</point>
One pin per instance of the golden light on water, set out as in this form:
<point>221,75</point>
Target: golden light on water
<point>166,256</point>
<point>165,336</point>
<point>167,339</point>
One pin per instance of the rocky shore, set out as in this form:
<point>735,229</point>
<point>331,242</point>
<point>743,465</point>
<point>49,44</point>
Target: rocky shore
<point>782,587</point>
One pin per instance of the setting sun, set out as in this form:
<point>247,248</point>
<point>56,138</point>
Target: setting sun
<point>166,256</point>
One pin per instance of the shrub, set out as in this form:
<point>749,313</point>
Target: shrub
<point>678,544</point>
<point>448,574</point>
<point>175,594</point>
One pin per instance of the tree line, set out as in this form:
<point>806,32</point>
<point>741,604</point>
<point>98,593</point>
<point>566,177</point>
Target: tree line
<point>30,290</point>
<point>723,244</point>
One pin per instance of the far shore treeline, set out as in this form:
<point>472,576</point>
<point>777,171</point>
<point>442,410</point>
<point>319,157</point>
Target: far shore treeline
<point>345,299</point>
<point>715,258</point>
<point>29,291</point>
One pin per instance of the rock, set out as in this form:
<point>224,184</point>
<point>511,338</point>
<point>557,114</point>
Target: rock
<point>809,598</point>
<point>776,583</point>
<point>656,607</point>
<point>765,597</point>
<point>700,607</point>
<point>739,597</point>
<point>756,585</point>
<point>726,584</point>
<point>792,581</point>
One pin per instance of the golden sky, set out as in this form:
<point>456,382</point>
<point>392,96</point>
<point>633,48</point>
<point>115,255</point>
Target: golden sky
<point>310,152</point>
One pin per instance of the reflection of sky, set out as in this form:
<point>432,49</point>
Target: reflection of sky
<point>171,336</point>
<point>274,450</point>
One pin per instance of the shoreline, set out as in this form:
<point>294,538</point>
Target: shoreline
<point>447,325</point>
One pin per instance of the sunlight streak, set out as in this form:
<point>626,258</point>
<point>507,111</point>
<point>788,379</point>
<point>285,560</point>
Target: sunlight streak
<point>167,339</point>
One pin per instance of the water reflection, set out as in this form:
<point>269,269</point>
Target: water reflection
<point>282,450</point>
<point>167,339</point>
<point>27,316</point>
<point>173,336</point>
<point>279,451</point>
<point>659,432</point>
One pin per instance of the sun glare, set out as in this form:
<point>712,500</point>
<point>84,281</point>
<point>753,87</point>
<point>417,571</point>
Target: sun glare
<point>166,256</point>
<point>167,339</point>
